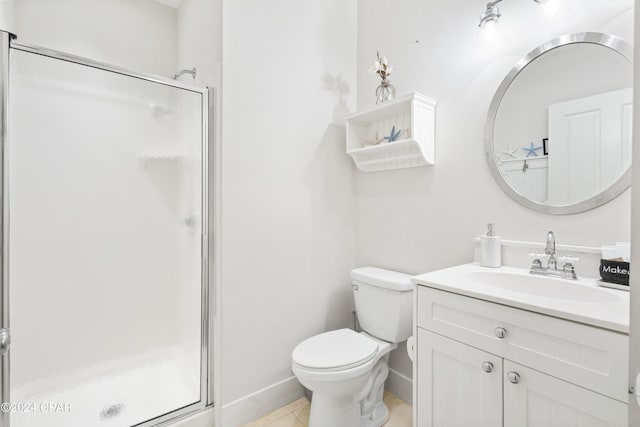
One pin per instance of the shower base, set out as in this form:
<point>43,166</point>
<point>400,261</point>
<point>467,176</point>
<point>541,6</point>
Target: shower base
<point>116,395</point>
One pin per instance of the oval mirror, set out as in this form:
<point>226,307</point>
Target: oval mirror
<point>558,133</point>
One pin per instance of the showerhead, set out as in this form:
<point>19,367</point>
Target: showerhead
<point>186,71</point>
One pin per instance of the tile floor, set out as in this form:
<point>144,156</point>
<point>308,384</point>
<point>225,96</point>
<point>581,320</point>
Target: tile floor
<point>296,414</point>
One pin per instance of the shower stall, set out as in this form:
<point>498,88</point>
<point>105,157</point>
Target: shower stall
<point>105,217</point>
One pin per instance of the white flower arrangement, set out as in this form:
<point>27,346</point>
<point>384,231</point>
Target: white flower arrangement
<point>381,67</point>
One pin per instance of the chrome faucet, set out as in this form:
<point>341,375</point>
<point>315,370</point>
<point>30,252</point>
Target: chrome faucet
<point>568,270</point>
<point>550,250</point>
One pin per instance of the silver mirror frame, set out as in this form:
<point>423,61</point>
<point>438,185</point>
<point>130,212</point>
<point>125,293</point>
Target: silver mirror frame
<point>612,42</point>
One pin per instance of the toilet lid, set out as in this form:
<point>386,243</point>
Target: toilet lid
<point>341,349</point>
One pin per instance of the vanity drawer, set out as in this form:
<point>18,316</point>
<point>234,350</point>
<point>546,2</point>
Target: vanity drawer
<point>594,358</point>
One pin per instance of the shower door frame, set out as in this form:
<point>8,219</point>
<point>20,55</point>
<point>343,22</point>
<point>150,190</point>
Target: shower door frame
<point>7,43</point>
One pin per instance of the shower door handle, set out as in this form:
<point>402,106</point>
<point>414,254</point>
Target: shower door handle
<point>5,341</point>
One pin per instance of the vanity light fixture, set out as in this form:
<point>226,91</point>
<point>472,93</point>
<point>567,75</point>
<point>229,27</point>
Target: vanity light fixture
<point>492,13</point>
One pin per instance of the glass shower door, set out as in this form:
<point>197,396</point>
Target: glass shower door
<point>105,245</point>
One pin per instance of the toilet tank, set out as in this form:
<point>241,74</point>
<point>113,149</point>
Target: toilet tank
<point>384,302</point>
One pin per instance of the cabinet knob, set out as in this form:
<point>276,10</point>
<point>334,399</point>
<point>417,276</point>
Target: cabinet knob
<point>487,367</point>
<point>501,332</point>
<point>513,377</point>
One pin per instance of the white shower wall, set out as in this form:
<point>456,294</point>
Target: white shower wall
<point>139,35</point>
<point>199,34</point>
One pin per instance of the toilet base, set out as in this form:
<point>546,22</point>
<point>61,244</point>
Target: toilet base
<point>326,412</point>
<point>329,411</point>
<point>378,417</point>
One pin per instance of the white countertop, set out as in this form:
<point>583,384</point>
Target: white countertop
<point>577,300</point>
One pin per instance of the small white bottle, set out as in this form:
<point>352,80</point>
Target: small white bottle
<point>490,248</point>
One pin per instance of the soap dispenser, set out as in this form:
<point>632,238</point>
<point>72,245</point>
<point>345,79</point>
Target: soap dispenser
<point>490,248</point>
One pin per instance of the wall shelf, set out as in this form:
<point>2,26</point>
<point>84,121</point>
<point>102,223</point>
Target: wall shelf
<point>413,115</point>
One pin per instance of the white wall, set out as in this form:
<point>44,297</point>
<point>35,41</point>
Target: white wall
<point>139,35</point>
<point>417,220</point>
<point>7,19</point>
<point>199,32</point>
<point>288,222</point>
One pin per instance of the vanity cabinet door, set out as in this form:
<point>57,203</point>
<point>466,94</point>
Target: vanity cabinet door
<point>458,385</point>
<point>534,399</point>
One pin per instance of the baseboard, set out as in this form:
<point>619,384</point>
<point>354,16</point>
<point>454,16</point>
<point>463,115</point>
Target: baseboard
<point>400,385</point>
<point>261,402</point>
<point>255,405</point>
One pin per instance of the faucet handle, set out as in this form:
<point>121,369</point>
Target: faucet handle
<point>536,264</point>
<point>569,259</point>
<point>568,266</point>
<point>538,255</point>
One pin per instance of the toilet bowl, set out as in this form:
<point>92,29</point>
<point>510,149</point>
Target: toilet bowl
<point>343,368</point>
<point>346,370</point>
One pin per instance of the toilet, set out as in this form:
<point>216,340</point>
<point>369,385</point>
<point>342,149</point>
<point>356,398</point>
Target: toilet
<point>346,370</point>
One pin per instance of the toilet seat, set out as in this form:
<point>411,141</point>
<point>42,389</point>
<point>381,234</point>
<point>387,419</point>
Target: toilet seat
<point>335,351</point>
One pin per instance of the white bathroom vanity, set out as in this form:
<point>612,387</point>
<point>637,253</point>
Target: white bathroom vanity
<point>502,347</point>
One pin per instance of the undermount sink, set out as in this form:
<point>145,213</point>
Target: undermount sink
<point>579,300</point>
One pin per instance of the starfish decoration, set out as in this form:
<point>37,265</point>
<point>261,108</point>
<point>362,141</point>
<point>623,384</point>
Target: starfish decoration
<point>394,135</point>
<point>531,150</point>
<point>511,152</point>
